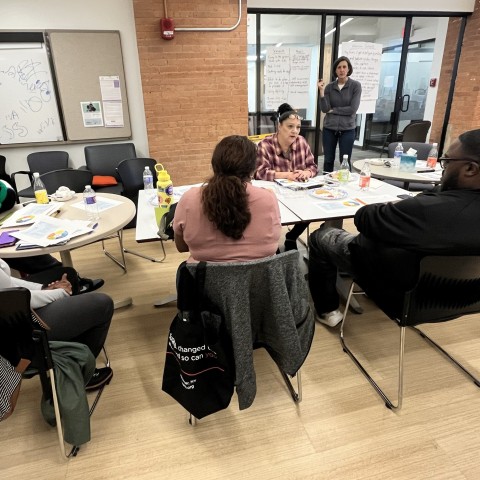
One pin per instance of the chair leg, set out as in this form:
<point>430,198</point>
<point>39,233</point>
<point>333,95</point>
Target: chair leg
<point>388,403</point>
<point>100,391</point>
<point>475,380</point>
<point>122,264</point>
<point>295,394</point>
<point>147,257</point>
<point>192,420</point>
<point>58,418</point>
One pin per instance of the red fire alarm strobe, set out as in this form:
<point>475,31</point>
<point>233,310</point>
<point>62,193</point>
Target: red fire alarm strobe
<point>167,28</point>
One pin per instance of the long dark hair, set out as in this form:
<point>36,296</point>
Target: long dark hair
<point>224,198</point>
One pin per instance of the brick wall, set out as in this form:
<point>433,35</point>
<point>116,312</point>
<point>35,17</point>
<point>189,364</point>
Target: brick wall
<point>465,109</point>
<point>194,86</point>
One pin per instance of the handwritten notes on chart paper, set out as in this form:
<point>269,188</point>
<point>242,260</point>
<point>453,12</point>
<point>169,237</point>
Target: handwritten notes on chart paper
<point>287,77</point>
<point>28,110</point>
<point>366,61</point>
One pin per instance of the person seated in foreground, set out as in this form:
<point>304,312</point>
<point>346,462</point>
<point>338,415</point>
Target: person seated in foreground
<point>71,317</point>
<point>11,378</point>
<point>393,237</point>
<point>286,154</point>
<point>228,219</point>
<point>37,263</point>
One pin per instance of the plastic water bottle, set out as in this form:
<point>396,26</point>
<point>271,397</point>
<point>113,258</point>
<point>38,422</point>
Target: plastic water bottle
<point>148,181</point>
<point>344,172</point>
<point>432,156</point>
<point>365,175</point>
<point>90,202</point>
<point>39,189</point>
<point>397,154</point>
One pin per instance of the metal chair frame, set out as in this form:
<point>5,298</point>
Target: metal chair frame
<point>16,301</point>
<point>436,297</point>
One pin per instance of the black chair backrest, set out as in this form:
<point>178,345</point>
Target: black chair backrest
<point>448,287</point>
<point>73,179</point>
<point>416,131</point>
<point>43,162</point>
<point>130,172</point>
<point>104,159</point>
<point>422,149</point>
<point>15,324</point>
<point>3,173</point>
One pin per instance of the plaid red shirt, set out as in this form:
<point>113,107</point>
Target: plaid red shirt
<point>271,159</point>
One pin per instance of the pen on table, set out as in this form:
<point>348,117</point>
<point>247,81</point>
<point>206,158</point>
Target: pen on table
<point>55,213</point>
<point>93,227</point>
<point>360,201</point>
<point>426,171</point>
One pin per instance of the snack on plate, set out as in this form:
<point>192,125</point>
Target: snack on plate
<point>329,193</point>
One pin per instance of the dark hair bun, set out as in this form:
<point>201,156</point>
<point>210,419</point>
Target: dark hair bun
<point>283,108</point>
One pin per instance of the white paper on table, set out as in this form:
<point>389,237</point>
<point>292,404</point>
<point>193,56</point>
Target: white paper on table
<point>318,181</point>
<point>376,183</point>
<point>435,176</point>
<point>371,199</point>
<point>102,204</point>
<point>48,231</point>
<point>30,214</point>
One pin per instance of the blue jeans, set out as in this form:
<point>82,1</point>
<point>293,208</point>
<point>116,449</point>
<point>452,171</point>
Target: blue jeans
<point>328,253</point>
<point>345,141</point>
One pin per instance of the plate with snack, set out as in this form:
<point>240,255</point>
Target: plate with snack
<point>326,193</point>
<point>354,177</point>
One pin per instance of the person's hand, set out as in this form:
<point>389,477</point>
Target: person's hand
<point>321,87</point>
<point>62,283</point>
<point>303,175</point>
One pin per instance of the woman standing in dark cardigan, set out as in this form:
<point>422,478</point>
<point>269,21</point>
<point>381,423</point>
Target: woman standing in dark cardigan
<point>339,100</point>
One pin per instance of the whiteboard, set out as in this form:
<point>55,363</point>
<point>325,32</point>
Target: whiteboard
<point>28,106</point>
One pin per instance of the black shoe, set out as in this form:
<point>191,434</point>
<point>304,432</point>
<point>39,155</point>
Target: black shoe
<point>100,377</point>
<point>290,244</point>
<point>87,285</point>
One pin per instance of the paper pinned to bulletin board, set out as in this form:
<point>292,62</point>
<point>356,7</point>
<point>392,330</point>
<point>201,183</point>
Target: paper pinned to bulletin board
<point>112,100</point>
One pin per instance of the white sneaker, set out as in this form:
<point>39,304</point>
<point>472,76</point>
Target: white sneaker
<point>332,319</point>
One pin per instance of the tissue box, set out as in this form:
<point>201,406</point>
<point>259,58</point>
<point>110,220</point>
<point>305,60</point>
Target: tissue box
<point>407,163</point>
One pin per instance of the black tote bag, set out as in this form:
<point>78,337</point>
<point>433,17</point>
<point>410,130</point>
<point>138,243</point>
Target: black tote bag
<point>199,366</point>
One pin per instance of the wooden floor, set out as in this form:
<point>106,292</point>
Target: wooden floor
<point>341,430</point>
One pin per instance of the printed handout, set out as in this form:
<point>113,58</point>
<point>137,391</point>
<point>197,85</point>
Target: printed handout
<point>30,213</point>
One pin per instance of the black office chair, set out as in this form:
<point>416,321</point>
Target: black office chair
<point>415,131</point>
<point>26,335</point>
<point>40,162</point>
<point>279,320</point>
<point>130,172</point>
<point>73,179</point>
<point>103,160</point>
<point>3,173</point>
<point>447,287</point>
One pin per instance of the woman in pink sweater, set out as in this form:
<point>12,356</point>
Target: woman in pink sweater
<point>228,219</point>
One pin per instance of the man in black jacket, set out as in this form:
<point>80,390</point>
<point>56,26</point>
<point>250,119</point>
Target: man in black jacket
<point>392,237</point>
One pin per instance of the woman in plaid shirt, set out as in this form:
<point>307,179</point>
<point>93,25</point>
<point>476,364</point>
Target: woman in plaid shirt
<point>286,154</point>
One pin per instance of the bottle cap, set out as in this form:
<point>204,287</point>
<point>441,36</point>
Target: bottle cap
<point>87,186</point>
<point>435,144</point>
<point>163,176</point>
<point>36,174</point>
